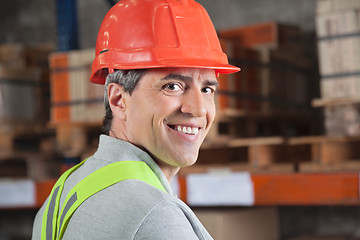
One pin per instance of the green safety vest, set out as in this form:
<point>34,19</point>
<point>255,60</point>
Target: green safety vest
<point>55,222</point>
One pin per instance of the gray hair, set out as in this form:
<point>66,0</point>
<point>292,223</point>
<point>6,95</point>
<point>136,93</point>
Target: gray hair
<point>128,79</point>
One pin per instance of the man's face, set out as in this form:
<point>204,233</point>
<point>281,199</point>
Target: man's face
<point>170,112</point>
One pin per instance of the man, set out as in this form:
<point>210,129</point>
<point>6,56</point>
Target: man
<point>160,60</point>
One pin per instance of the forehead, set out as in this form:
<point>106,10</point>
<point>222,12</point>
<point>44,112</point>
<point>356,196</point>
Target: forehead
<point>188,73</point>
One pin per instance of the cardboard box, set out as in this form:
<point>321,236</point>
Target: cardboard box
<point>338,49</point>
<point>275,61</point>
<point>240,89</point>
<point>342,120</point>
<point>268,34</point>
<point>12,55</point>
<point>74,98</point>
<point>20,98</point>
<point>328,6</point>
<point>258,223</point>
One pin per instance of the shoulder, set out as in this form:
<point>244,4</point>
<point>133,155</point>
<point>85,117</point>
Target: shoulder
<point>171,219</point>
<point>118,210</point>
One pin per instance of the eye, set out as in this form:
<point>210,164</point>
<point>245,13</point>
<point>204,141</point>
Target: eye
<point>173,87</point>
<point>208,90</point>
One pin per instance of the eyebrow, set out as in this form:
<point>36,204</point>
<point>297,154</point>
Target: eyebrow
<point>189,79</point>
<point>177,77</point>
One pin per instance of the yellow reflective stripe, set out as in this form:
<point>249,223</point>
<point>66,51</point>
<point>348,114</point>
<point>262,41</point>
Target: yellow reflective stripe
<point>49,220</point>
<point>101,179</point>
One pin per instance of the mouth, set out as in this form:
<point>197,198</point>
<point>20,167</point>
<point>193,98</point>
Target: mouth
<point>185,129</point>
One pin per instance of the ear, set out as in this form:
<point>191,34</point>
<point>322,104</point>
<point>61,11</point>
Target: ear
<point>117,100</point>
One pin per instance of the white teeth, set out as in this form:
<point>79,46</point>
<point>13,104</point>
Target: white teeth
<point>184,130</point>
<point>195,131</point>
<point>188,130</point>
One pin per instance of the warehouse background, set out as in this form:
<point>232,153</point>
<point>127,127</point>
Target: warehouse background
<point>34,22</point>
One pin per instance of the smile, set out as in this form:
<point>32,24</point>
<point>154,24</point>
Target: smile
<point>185,129</point>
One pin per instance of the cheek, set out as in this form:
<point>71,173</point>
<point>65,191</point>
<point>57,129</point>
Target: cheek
<point>211,110</point>
<point>164,106</point>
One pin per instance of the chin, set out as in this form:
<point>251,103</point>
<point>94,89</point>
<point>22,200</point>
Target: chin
<point>187,160</point>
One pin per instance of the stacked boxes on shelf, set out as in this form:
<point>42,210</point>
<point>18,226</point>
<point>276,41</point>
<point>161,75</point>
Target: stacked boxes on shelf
<point>338,32</point>
<point>271,94</point>
<point>276,68</point>
<point>22,84</point>
<point>25,141</point>
<point>19,94</point>
<point>74,98</point>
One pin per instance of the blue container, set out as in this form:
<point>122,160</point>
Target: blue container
<point>67,25</point>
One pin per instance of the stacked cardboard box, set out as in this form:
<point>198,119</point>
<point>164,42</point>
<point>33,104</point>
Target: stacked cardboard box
<point>19,93</point>
<point>12,55</point>
<point>338,32</point>
<point>23,106</point>
<point>275,67</point>
<point>339,50</point>
<point>23,80</point>
<point>74,99</point>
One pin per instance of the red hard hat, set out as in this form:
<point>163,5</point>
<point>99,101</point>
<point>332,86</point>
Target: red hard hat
<point>140,34</point>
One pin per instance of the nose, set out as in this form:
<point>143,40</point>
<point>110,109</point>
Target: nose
<point>193,103</point>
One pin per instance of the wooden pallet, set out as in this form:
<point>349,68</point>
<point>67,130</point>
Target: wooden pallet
<point>27,150</point>
<point>244,124</point>
<point>24,136</point>
<point>301,154</point>
<point>34,165</point>
<point>329,153</point>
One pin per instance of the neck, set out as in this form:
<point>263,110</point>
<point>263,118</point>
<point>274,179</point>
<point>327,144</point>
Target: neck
<point>169,171</point>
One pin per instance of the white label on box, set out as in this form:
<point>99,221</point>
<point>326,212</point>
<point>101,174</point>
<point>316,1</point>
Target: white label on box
<point>210,189</point>
<point>17,193</point>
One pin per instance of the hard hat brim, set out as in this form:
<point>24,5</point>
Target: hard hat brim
<point>100,75</point>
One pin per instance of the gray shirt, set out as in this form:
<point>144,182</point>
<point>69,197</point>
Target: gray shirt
<point>130,209</point>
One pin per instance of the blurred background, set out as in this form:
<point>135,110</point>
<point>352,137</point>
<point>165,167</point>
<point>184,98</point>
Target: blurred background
<point>282,160</point>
